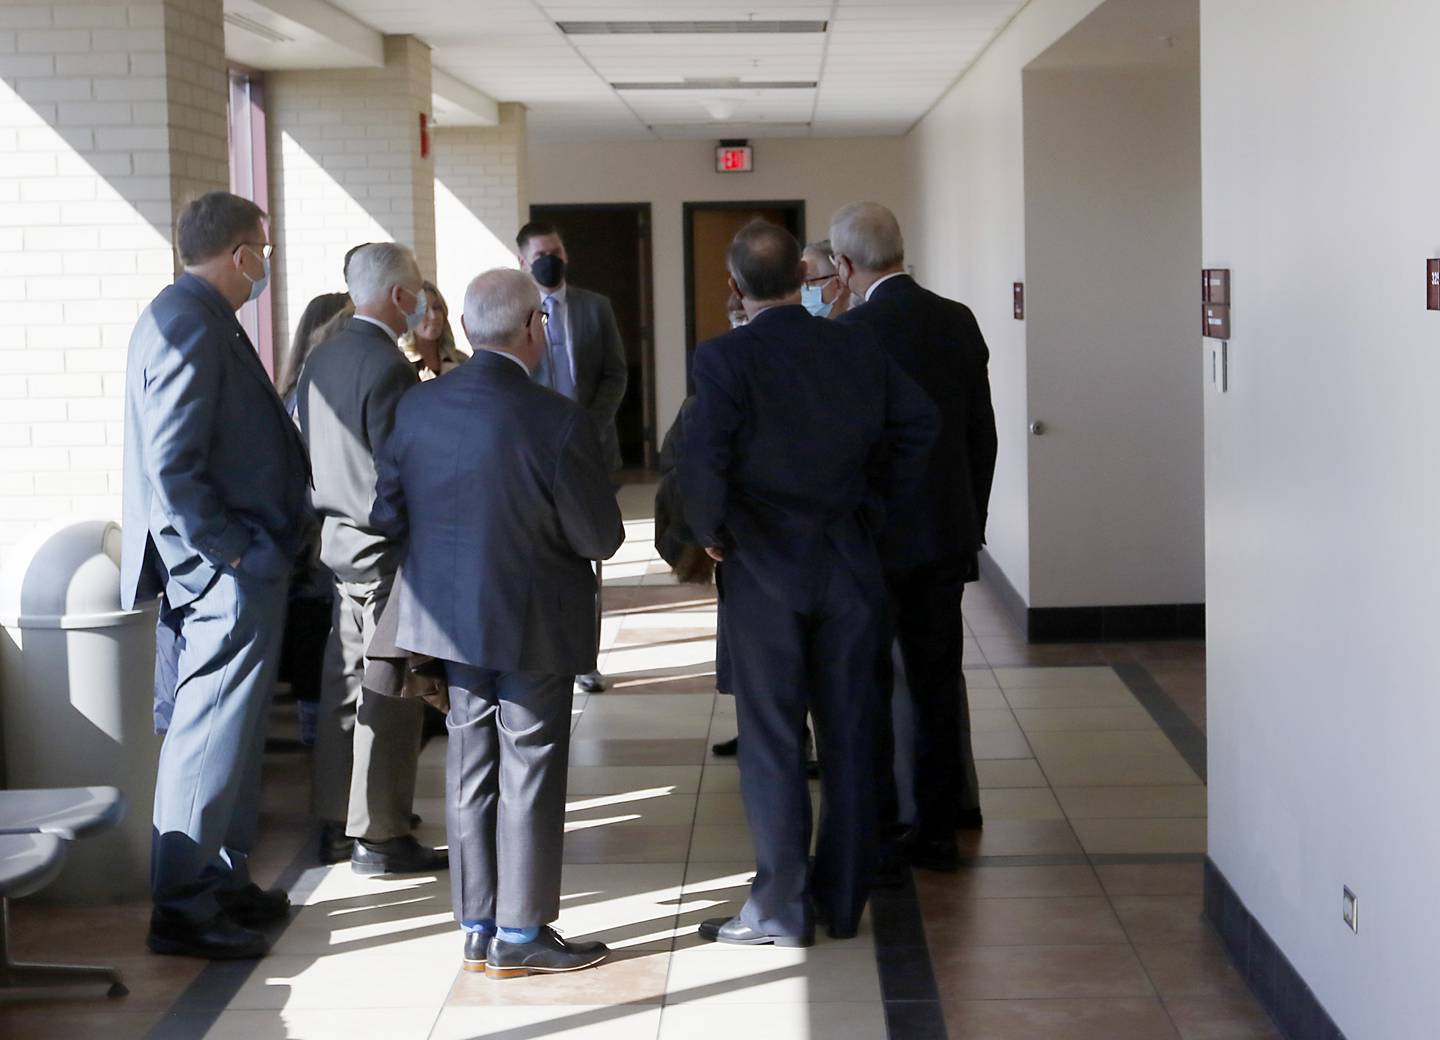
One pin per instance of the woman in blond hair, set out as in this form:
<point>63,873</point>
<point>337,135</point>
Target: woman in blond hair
<point>431,347</point>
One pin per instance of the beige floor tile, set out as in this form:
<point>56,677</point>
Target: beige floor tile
<point>1050,698</point>
<point>1107,1019</point>
<point>1051,678</point>
<point>1019,803</point>
<point>939,892</point>
<point>980,679</point>
<point>1162,919</point>
<point>637,843</point>
<point>411,1023</point>
<point>719,808</point>
<point>1236,1017</point>
<point>1060,720</point>
<point>992,720</point>
<point>596,780</point>
<point>1201,969</point>
<point>1036,972</point>
<point>660,810</point>
<point>721,776</point>
<point>630,906</point>
<point>635,752</point>
<point>1020,838</point>
<point>720,843</point>
<point>1152,879</point>
<point>1012,772</point>
<point>717,974</point>
<point>1026,922</point>
<point>330,982</point>
<point>1143,837</point>
<point>1007,745</point>
<point>1114,759</point>
<point>848,1021</point>
<point>985,698</point>
<point>1183,801</point>
<point>573,1022</point>
<point>630,716</point>
<point>371,922</point>
<point>626,978</point>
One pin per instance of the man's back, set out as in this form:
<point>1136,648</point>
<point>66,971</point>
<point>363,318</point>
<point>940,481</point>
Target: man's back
<point>939,345</point>
<point>501,490</point>
<point>795,411</point>
<point>347,397</point>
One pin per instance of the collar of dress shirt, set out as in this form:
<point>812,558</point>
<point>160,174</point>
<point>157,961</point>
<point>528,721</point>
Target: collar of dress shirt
<point>515,359</point>
<point>880,281</point>
<point>559,294</point>
<point>380,325</point>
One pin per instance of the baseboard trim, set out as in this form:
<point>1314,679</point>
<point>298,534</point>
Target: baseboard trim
<point>1093,624</point>
<point>1267,971</point>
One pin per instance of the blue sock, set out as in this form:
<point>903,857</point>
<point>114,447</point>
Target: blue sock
<point>486,925</point>
<point>517,935</point>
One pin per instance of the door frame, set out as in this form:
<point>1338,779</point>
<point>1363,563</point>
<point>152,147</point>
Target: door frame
<point>646,227</point>
<point>688,209</point>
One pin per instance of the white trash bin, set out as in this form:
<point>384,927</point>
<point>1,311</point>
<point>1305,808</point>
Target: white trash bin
<point>76,682</point>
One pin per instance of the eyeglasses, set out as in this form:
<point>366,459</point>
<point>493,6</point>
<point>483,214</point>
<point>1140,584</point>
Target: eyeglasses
<point>544,318</point>
<point>264,249</point>
<point>819,279</point>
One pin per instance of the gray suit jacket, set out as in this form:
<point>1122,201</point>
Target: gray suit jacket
<point>499,489</point>
<point>600,368</point>
<point>346,403</point>
<point>213,467</point>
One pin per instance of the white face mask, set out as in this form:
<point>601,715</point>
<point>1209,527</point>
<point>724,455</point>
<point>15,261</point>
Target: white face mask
<point>415,317</point>
<point>257,285</point>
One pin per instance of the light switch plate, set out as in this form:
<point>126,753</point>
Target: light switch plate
<point>1350,909</point>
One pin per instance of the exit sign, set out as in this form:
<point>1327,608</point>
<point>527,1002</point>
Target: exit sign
<point>734,159</point>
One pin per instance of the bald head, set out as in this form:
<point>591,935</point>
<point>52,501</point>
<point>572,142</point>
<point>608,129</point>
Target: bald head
<point>869,235</point>
<point>765,262</point>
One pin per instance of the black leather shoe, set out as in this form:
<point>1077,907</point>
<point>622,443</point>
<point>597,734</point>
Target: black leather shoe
<point>969,820</point>
<point>415,820</point>
<point>727,748</point>
<point>940,854</point>
<point>218,939</point>
<point>253,905</point>
<point>476,946</point>
<point>547,955</point>
<point>335,845</point>
<point>735,932</point>
<point>402,855</point>
<point>591,682</point>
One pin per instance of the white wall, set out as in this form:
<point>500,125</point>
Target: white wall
<point>826,173</point>
<point>967,163</point>
<point>1115,362</point>
<point>1321,472</point>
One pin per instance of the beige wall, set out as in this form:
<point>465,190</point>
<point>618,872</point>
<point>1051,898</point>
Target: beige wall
<point>826,173</point>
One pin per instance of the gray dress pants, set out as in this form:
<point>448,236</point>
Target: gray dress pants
<point>367,744</point>
<point>207,789</point>
<point>505,766</point>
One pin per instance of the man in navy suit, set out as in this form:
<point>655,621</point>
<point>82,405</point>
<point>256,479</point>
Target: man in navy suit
<point>500,492</point>
<point>215,512</point>
<point>801,434</point>
<point>930,550</point>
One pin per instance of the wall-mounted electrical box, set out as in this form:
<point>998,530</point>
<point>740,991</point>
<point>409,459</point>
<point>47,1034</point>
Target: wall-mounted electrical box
<point>1215,302</point>
<point>1019,301</point>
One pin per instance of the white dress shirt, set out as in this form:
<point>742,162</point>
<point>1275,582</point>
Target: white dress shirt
<point>394,337</point>
<point>879,282</point>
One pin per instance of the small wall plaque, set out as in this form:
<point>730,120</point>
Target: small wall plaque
<point>1019,301</point>
<point>1215,302</point>
<point>1432,285</point>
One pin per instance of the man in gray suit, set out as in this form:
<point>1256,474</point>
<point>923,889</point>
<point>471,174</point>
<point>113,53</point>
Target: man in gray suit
<point>584,358</point>
<point>214,514</point>
<point>367,746</point>
<point>500,488</point>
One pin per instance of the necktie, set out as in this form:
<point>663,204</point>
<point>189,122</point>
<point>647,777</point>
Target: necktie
<point>561,379</point>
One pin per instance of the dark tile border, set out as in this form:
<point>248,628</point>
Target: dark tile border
<point>1276,984</point>
<point>995,580</point>
<point>1187,737</point>
<point>902,958</point>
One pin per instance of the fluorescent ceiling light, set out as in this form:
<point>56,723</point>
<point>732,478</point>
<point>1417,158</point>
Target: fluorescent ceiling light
<point>688,28</point>
<point>723,84</point>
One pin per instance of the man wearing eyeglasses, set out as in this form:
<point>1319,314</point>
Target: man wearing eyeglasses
<point>821,292</point>
<point>215,510</point>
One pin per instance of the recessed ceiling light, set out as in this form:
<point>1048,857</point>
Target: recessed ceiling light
<point>722,84</point>
<point>688,28</point>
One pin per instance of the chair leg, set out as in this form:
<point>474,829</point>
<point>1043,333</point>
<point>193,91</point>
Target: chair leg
<point>17,974</point>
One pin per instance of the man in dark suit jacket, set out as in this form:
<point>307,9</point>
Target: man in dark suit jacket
<point>501,493</point>
<point>584,357</point>
<point>367,746</point>
<point>801,432</point>
<point>931,545</point>
<point>214,515</point>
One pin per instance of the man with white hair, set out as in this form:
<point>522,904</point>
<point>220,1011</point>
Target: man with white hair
<point>932,540</point>
<point>500,491</point>
<point>367,745</point>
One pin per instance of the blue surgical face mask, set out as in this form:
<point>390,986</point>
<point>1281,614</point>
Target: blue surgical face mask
<point>812,296</point>
<point>257,285</point>
<point>415,317</point>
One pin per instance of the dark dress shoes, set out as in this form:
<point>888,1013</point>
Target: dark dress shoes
<point>402,855</point>
<point>736,932</point>
<point>335,845</point>
<point>253,905</point>
<point>477,944</point>
<point>591,682</point>
<point>218,939</point>
<point>940,854</point>
<point>727,748</point>
<point>549,954</point>
<point>969,820</point>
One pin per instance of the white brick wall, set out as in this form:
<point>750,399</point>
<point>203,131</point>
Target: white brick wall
<point>345,168</point>
<point>110,113</point>
<point>480,200</point>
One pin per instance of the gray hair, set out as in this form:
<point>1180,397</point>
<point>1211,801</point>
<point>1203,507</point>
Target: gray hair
<point>498,303</point>
<point>869,235</point>
<point>375,268</point>
<point>822,251</point>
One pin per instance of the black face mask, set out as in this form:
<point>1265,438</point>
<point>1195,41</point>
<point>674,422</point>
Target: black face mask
<point>548,269</point>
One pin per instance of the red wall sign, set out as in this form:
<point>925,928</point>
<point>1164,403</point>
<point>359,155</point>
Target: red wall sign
<point>734,159</point>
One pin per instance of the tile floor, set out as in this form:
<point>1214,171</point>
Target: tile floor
<point>1076,915</point>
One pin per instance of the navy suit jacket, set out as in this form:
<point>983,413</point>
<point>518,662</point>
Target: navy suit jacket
<point>500,491</point>
<point>938,344</point>
<point>801,433</point>
<point>214,468</point>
